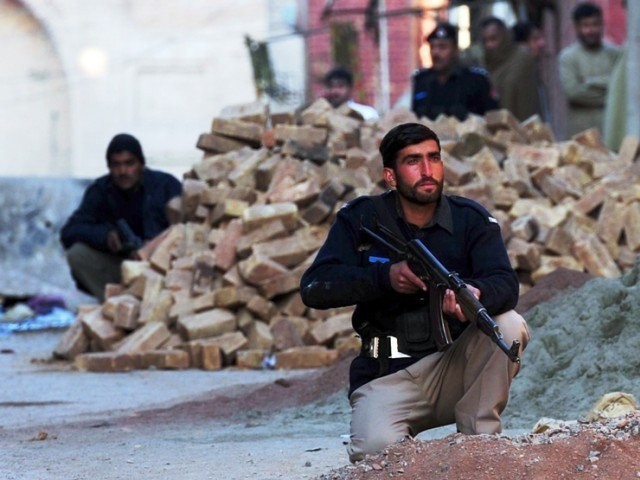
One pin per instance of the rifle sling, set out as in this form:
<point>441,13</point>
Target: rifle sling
<point>385,216</point>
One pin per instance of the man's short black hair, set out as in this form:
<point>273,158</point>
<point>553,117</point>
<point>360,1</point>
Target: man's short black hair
<point>402,136</point>
<point>586,10</point>
<point>487,21</point>
<point>123,142</point>
<point>444,30</point>
<point>339,73</point>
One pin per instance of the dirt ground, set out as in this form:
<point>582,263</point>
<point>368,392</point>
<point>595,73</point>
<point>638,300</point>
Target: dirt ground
<point>607,451</point>
<point>292,427</point>
<point>57,423</point>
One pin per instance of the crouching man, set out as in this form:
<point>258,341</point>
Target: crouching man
<point>119,213</point>
<point>395,393</point>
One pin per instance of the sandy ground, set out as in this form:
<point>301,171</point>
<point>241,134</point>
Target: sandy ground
<point>58,423</point>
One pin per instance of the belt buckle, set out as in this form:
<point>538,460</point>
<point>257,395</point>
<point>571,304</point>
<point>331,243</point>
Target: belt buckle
<point>395,353</point>
<point>374,346</point>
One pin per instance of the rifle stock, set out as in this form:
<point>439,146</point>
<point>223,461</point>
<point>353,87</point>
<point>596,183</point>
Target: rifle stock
<point>425,264</point>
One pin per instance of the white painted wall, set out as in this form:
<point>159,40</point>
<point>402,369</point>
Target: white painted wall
<point>34,101</point>
<point>158,70</point>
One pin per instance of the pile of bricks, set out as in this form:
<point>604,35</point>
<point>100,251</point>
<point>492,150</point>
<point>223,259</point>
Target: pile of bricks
<point>220,287</point>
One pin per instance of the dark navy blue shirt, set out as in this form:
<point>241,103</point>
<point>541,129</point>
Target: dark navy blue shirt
<point>350,269</point>
<point>103,204</point>
<point>466,90</point>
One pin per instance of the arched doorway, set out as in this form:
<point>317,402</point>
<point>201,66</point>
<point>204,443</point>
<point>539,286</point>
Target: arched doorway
<point>34,98</point>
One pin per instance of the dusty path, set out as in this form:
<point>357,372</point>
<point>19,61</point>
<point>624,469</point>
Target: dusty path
<point>56,423</point>
<point>233,425</point>
<point>261,449</point>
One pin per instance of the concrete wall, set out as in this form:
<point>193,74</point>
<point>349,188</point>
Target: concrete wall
<point>159,70</point>
<point>32,261</point>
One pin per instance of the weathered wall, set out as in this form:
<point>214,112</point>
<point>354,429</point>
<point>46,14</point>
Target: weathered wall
<point>34,99</point>
<point>31,257</point>
<point>160,70</point>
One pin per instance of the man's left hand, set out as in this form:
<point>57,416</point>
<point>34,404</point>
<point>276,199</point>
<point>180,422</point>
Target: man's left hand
<point>451,307</point>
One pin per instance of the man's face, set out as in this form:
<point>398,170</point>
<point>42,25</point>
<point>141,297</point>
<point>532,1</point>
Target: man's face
<point>537,43</point>
<point>125,169</point>
<point>589,31</point>
<point>444,54</point>
<point>337,92</point>
<point>492,37</point>
<point>418,175</point>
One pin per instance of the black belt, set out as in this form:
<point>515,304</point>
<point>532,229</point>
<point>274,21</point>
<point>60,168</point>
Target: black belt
<point>382,347</point>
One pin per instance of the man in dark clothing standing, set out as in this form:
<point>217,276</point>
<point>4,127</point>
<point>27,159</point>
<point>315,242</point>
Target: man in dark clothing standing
<point>119,213</point>
<point>512,69</point>
<point>448,87</point>
<point>397,391</point>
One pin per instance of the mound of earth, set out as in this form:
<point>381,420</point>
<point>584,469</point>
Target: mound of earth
<point>601,450</point>
<point>310,388</point>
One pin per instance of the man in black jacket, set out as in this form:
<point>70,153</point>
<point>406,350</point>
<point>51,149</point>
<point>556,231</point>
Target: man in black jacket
<point>118,214</point>
<point>448,87</point>
<point>395,393</point>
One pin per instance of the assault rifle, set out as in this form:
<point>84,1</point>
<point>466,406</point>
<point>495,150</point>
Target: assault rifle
<point>439,279</point>
<point>130,241</point>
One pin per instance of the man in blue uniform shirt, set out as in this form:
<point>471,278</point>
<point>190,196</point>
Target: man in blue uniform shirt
<point>395,393</point>
<point>448,87</point>
<point>118,214</point>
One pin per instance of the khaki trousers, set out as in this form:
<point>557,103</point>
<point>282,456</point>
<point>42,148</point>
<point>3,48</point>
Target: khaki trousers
<point>93,269</point>
<point>468,385</point>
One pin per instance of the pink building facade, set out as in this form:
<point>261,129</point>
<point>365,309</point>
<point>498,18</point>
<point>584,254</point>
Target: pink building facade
<point>404,39</point>
<point>407,21</point>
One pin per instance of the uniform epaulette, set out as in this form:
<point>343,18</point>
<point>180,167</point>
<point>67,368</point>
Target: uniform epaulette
<point>467,202</point>
<point>479,70</point>
<point>356,201</point>
<point>417,71</point>
<point>364,199</point>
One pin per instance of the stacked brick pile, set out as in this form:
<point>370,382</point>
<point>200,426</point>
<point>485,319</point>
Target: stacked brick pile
<point>220,287</point>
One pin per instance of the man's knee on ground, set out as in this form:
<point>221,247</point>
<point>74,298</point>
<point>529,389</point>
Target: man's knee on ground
<point>79,252</point>
<point>373,428</point>
<point>76,255</point>
<point>371,443</point>
<point>92,269</point>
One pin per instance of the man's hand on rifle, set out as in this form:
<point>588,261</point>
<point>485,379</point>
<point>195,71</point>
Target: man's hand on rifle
<point>451,307</point>
<point>113,241</point>
<point>403,280</point>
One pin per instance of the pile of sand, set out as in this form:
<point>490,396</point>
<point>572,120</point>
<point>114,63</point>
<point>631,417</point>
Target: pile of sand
<point>584,345</point>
